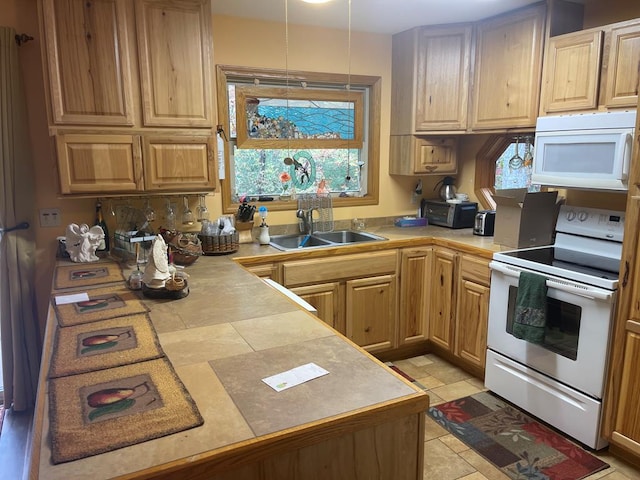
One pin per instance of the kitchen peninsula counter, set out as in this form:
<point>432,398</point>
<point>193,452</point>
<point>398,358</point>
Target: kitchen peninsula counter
<point>231,331</point>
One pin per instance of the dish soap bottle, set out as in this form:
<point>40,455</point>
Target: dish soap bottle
<point>263,237</point>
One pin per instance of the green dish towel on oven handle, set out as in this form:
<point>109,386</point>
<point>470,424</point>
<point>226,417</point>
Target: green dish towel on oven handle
<point>530,317</point>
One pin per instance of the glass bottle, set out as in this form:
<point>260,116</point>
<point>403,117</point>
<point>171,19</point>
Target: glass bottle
<point>103,246</point>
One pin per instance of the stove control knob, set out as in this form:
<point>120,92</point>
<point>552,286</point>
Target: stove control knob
<point>582,216</point>
<point>571,215</point>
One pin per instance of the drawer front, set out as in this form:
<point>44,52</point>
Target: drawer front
<point>303,272</point>
<point>475,269</point>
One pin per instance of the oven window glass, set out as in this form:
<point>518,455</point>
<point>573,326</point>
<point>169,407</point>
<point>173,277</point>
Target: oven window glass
<point>563,325</point>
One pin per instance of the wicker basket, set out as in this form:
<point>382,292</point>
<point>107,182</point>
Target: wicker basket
<point>185,247</point>
<point>219,244</point>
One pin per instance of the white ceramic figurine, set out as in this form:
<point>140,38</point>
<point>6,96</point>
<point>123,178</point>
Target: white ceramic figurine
<point>81,242</point>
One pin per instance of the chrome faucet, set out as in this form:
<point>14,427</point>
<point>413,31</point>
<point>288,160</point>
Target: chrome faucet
<point>307,219</point>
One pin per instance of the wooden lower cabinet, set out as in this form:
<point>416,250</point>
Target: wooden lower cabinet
<point>415,283</point>
<point>472,310</point>
<point>356,294</point>
<point>267,270</point>
<point>328,299</point>
<point>459,307</point>
<point>397,301</point>
<point>627,426</point>
<point>442,298</point>
<point>371,311</point>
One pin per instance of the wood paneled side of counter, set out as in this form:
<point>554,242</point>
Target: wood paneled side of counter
<point>358,449</point>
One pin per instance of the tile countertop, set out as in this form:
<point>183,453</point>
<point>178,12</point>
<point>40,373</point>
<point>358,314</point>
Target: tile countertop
<point>229,333</point>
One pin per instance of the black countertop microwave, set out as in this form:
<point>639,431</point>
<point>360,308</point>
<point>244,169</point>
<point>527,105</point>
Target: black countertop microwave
<point>452,215</point>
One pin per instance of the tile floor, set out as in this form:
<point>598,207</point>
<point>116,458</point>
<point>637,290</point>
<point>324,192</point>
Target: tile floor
<point>446,457</point>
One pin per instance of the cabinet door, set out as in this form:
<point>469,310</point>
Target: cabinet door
<point>443,78</point>
<point>442,300</point>
<point>89,64</point>
<point>415,282</point>
<point>174,44</point>
<point>371,312</point>
<point>508,66</point>
<point>328,299</point>
<point>471,322</point>
<point>627,424</point>
<point>571,72</point>
<point>264,271</point>
<point>436,155</point>
<point>95,163</point>
<point>179,162</point>
<point>623,67</point>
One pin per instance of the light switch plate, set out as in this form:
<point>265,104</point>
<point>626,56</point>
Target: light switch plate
<point>50,217</point>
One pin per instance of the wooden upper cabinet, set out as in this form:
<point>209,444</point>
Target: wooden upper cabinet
<point>430,84</point>
<point>621,66</point>
<point>175,62</point>
<point>89,61</point>
<point>442,78</point>
<point>508,66</point>
<point>183,162</point>
<point>98,163</point>
<point>571,72</point>
<point>413,155</point>
<point>595,69</point>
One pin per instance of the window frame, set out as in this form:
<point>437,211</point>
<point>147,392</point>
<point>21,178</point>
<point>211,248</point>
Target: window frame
<point>373,83</point>
<point>485,173</point>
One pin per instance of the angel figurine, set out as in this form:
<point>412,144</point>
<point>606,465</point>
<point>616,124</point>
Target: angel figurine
<point>81,242</point>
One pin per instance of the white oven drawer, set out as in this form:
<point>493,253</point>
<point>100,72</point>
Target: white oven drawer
<point>566,409</point>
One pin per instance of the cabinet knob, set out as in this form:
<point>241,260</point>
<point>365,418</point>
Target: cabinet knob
<point>367,330</point>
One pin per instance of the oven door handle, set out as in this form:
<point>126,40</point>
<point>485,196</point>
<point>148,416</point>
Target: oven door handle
<point>559,284</point>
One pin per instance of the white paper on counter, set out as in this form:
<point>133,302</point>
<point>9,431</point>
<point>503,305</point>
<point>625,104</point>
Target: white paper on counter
<point>73,298</point>
<point>295,376</point>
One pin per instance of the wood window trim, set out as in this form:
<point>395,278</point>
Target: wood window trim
<point>485,174</point>
<point>374,83</point>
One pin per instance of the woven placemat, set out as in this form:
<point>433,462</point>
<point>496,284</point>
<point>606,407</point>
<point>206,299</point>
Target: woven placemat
<point>87,274</point>
<point>100,411</point>
<point>103,344</point>
<point>108,302</point>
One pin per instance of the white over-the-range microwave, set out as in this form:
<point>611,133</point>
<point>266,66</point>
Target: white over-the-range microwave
<point>587,151</point>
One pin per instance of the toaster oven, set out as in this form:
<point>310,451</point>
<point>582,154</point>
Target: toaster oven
<point>451,215</point>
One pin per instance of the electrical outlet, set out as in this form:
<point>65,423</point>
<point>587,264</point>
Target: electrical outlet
<point>50,217</point>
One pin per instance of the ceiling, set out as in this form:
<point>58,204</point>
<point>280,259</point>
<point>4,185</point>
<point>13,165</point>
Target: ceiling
<point>378,16</point>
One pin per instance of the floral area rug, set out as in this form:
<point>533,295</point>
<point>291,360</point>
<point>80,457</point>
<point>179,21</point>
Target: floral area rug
<point>518,445</point>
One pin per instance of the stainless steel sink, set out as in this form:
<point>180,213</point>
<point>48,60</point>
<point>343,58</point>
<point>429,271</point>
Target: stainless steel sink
<point>322,239</point>
<point>348,236</point>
